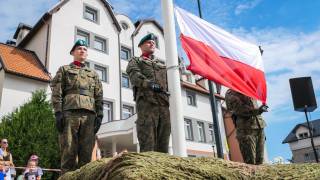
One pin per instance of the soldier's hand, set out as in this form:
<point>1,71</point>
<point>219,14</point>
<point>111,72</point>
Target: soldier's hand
<point>97,124</point>
<point>154,87</point>
<point>59,121</point>
<point>263,108</point>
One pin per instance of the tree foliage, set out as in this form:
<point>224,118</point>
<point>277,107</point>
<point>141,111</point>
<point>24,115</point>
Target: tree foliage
<point>30,129</point>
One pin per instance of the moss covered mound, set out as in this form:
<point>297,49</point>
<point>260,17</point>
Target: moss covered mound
<point>152,165</point>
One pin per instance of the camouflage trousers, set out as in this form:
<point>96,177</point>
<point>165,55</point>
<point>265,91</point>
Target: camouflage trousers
<point>77,139</point>
<point>153,127</point>
<point>251,142</point>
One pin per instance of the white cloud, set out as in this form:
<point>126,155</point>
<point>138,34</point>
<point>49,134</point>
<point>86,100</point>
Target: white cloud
<point>15,11</point>
<point>286,55</point>
<point>246,6</point>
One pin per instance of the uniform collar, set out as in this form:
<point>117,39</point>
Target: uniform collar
<point>147,56</point>
<point>78,64</point>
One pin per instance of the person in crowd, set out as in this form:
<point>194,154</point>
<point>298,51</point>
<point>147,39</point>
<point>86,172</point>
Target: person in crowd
<point>32,171</point>
<point>7,158</point>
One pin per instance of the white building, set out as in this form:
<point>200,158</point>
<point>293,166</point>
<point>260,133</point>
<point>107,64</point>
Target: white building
<point>300,142</point>
<point>112,41</point>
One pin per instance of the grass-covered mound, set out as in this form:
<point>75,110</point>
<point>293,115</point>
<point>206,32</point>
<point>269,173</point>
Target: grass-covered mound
<point>154,165</point>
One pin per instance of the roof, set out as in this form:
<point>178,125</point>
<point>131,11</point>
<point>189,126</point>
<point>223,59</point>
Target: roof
<point>22,62</point>
<point>21,26</point>
<point>48,15</point>
<point>199,89</point>
<point>315,126</point>
<point>139,24</point>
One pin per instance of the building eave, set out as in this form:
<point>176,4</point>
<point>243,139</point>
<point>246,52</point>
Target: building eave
<point>140,23</point>
<point>35,29</point>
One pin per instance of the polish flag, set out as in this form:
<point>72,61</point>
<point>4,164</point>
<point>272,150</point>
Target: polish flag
<point>221,57</point>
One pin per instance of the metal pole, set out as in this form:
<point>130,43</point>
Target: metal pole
<point>213,109</point>
<point>311,136</point>
<point>176,116</point>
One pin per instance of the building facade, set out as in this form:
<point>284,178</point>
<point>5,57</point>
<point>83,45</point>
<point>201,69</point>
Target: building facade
<point>300,142</point>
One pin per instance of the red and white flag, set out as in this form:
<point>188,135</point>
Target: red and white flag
<point>221,57</point>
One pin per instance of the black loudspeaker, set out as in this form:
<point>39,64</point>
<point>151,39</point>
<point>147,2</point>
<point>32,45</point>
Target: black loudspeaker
<point>303,94</point>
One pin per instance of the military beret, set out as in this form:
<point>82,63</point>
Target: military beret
<point>146,38</point>
<point>79,42</point>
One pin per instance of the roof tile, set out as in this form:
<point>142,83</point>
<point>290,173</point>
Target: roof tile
<point>22,62</point>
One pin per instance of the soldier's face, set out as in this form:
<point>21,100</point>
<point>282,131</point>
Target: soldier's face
<point>80,53</point>
<point>148,47</point>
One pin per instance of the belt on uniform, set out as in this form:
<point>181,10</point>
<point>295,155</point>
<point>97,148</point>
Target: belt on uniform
<point>83,92</point>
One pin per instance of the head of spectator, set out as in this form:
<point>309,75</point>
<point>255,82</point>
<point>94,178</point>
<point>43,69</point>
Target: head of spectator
<point>34,158</point>
<point>4,145</point>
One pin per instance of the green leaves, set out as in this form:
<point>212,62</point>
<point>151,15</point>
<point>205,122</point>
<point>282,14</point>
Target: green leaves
<point>30,129</point>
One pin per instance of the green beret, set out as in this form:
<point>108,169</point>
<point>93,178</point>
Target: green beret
<point>146,38</point>
<point>79,42</point>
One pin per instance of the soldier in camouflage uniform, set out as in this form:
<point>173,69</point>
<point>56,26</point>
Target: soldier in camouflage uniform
<point>77,101</point>
<point>249,124</point>
<point>149,79</point>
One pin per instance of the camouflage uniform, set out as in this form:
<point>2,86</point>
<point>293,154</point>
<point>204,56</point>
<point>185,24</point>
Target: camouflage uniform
<point>153,123</point>
<point>77,93</point>
<point>249,124</point>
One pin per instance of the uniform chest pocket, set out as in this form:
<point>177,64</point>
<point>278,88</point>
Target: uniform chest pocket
<point>91,80</point>
<point>147,69</point>
<point>72,76</point>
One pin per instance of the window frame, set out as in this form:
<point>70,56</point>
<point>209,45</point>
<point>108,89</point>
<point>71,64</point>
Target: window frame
<point>131,108</point>
<point>211,133</point>
<point>129,52</point>
<point>84,32</point>
<point>186,121</point>
<point>106,77</point>
<point>104,43</point>
<point>193,98</point>
<point>107,114</point>
<point>123,23</point>
<point>201,132</point>
<point>92,39</point>
<point>126,76</point>
<point>92,9</point>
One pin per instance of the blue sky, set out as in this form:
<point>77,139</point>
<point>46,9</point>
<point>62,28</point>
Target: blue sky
<point>288,31</point>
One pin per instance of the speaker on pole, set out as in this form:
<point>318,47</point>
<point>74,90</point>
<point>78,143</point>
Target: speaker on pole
<point>304,100</point>
<point>302,94</point>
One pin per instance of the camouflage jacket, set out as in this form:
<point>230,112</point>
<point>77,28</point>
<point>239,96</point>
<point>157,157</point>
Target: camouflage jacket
<point>141,71</point>
<point>77,88</point>
<point>245,109</point>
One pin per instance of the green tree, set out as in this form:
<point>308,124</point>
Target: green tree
<point>30,129</point>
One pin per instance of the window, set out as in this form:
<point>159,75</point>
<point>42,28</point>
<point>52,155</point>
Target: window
<point>201,133</point>
<point>107,111</point>
<point>191,98</point>
<point>125,81</point>
<point>303,135</point>
<point>125,53</point>
<point>157,42</point>
<point>90,14</point>
<point>83,36</point>
<point>87,64</point>
<point>127,111</point>
<point>102,72</point>
<point>94,41</point>
<point>124,25</point>
<point>99,44</point>
<point>188,129</point>
<point>211,135</point>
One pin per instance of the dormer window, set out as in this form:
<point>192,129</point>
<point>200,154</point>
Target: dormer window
<point>303,135</point>
<point>124,26</point>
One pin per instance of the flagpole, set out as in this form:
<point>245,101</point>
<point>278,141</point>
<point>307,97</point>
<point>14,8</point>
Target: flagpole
<point>176,116</point>
<point>214,112</point>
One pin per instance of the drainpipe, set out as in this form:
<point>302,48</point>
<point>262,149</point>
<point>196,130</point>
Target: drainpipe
<point>120,74</point>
